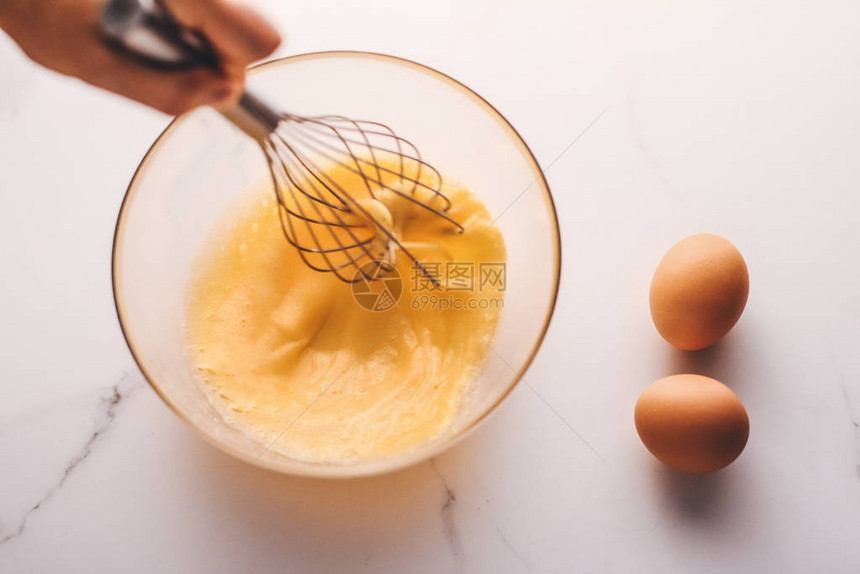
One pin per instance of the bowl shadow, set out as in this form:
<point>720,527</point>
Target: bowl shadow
<point>303,520</point>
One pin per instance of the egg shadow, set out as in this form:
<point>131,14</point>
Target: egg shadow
<point>700,497</point>
<point>692,496</point>
<point>724,361</point>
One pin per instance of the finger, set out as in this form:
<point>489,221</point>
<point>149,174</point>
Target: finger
<point>170,92</point>
<point>238,33</point>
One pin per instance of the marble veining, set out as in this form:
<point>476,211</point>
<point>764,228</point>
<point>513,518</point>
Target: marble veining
<point>452,532</point>
<point>567,424</point>
<point>524,381</point>
<point>514,552</point>
<point>644,149</point>
<point>855,422</point>
<point>106,413</point>
<point>449,524</point>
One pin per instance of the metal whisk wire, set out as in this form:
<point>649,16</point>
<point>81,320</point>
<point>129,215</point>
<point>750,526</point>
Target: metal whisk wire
<point>332,240</point>
<point>310,158</point>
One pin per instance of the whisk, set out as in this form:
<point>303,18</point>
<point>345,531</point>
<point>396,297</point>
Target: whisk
<point>335,178</point>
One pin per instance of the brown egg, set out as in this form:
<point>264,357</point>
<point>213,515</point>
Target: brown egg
<point>692,423</point>
<point>699,291</point>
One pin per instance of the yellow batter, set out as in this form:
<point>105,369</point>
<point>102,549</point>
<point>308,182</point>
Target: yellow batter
<point>288,352</point>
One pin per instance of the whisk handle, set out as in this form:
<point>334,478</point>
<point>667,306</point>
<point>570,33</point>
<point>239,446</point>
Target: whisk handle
<point>145,31</point>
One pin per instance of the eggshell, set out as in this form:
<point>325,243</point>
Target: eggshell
<point>692,423</point>
<point>699,291</point>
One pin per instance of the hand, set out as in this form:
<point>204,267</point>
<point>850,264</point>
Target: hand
<point>63,35</point>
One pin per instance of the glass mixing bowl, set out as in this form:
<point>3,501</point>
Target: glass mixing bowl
<point>201,162</point>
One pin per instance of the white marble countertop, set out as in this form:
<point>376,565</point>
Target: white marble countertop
<point>740,119</point>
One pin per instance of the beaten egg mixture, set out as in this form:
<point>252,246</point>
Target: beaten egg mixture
<point>289,355</point>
